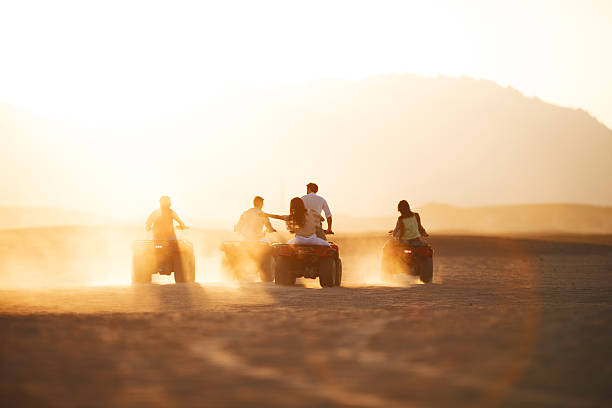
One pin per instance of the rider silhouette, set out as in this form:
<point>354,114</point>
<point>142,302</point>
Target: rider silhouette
<point>161,221</point>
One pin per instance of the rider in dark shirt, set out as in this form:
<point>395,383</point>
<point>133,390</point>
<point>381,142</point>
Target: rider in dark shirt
<point>161,221</point>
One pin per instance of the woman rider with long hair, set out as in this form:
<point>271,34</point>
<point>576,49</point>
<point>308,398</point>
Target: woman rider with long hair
<point>408,228</point>
<point>302,223</point>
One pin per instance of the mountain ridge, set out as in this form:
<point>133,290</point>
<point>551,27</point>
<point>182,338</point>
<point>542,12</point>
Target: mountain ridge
<point>437,218</point>
<point>461,141</point>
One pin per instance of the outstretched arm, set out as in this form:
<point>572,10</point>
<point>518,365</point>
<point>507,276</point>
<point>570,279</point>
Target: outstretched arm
<point>239,224</point>
<point>329,225</point>
<point>276,217</point>
<point>328,216</point>
<point>421,229</point>
<point>268,225</point>
<point>397,231</point>
<point>178,219</point>
<point>149,222</point>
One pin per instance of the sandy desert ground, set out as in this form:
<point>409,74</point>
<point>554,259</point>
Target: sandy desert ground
<point>507,322</point>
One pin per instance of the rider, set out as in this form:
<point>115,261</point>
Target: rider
<point>251,222</point>
<point>315,203</point>
<point>161,221</point>
<point>408,229</point>
<point>302,223</point>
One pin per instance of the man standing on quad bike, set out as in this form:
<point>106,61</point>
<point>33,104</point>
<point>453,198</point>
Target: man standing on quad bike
<point>252,221</point>
<point>408,228</point>
<point>316,204</point>
<point>161,221</point>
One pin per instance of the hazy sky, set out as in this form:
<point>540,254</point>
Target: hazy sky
<point>93,59</point>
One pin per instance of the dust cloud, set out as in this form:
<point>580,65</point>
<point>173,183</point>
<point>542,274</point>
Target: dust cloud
<point>101,255</point>
<point>89,256</point>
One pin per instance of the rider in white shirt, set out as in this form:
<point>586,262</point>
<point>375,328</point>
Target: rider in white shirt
<point>317,204</point>
<point>252,221</point>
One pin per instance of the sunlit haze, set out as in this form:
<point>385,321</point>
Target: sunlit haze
<point>462,255</point>
<point>119,58</point>
<point>143,94</point>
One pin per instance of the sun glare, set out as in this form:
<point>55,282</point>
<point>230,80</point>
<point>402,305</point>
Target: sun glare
<point>157,59</point>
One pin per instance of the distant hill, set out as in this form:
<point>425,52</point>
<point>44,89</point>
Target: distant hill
<point>548,218</point>
<point>24,217</point>
<point>451,140</point>
<point>367,144</point>
<point>511,219</point>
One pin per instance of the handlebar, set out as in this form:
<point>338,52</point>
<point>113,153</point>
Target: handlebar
<point>423,238</point>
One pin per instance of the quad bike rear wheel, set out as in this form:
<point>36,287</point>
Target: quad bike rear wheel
<point>282,274</point>
<point>191,269</point>
<point>185,271</point>
<point>387,265</point>
<point>179,276</point>
<point>327,272</point>
<point>141,270</point>
<point>338,277</point>
<point>227,269</point>
<point>266,272</point>
<point>426,270</point>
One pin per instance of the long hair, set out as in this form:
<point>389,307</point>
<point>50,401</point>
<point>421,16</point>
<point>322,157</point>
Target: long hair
<point>297,213</point>
<point>404,208</point>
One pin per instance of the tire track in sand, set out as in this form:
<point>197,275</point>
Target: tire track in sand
<point>215,353</point>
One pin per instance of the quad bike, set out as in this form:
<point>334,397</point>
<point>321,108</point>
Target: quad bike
<point>400,258</point>
<point>308,261</point>
<point>244,258</point>
<point>163,257</point>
